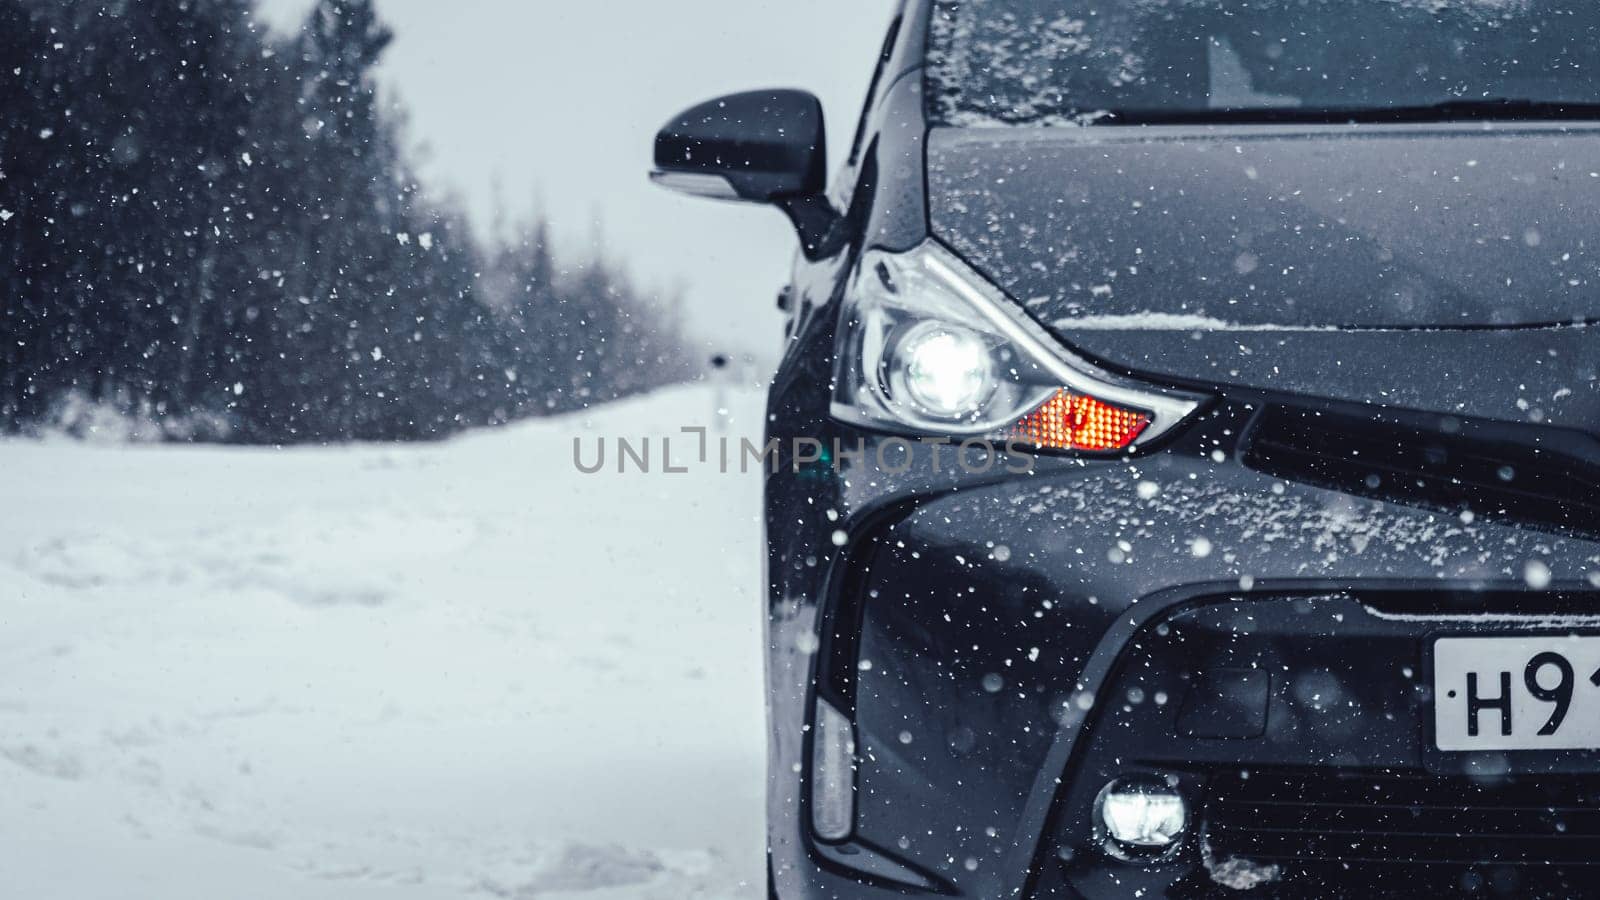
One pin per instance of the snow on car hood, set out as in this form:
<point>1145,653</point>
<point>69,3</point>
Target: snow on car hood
<point>1381,264</point>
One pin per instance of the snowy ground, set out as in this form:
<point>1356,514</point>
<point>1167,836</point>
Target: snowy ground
<point>435,671</point>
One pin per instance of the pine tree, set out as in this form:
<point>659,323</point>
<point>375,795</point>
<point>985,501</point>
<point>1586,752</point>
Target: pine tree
<point>216,230</point>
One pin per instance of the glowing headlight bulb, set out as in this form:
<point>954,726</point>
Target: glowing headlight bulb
<point>946,370</point>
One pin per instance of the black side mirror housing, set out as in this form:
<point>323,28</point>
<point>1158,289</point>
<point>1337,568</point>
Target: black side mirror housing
<point>758,147</point>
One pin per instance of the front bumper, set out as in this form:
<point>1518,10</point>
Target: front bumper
<point>1007,647</point>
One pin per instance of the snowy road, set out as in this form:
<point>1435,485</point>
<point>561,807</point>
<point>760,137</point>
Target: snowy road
<point>431,671</point>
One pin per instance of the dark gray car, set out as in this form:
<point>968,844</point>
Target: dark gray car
<point>1187,445</point>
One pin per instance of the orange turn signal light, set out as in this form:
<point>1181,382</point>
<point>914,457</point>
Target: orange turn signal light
<point>1069,421</point>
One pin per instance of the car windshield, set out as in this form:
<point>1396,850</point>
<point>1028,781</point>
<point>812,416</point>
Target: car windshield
<point>1056,62</point>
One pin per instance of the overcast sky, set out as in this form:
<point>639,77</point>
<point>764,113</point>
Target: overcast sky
<point>555,102</point>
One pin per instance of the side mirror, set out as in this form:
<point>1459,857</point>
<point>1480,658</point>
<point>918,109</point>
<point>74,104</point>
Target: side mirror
<point>758,147</point>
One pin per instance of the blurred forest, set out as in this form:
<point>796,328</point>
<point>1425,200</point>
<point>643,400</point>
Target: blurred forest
<point>211,231</point>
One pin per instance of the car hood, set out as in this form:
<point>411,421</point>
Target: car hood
<point>1444,268</point>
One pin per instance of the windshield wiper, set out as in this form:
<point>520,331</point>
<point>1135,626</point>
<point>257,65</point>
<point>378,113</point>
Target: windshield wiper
<point>1494,108</point>
<point>1512,108</point>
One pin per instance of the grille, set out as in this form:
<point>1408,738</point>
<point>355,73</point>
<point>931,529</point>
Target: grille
<point>1443,465</point>
<point>1540,837</point>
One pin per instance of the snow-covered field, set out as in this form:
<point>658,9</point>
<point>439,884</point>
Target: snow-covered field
<point>450,670</point>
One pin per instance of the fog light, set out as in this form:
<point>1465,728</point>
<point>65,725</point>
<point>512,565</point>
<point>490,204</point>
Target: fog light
<point>833,774</point>
<point>1142,814</point>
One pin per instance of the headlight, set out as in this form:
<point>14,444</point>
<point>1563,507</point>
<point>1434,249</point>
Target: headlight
<point>945,371</point>
<point>927,346</point>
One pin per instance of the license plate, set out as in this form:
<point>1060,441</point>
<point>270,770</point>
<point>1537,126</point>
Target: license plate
<point>1517,693</point>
